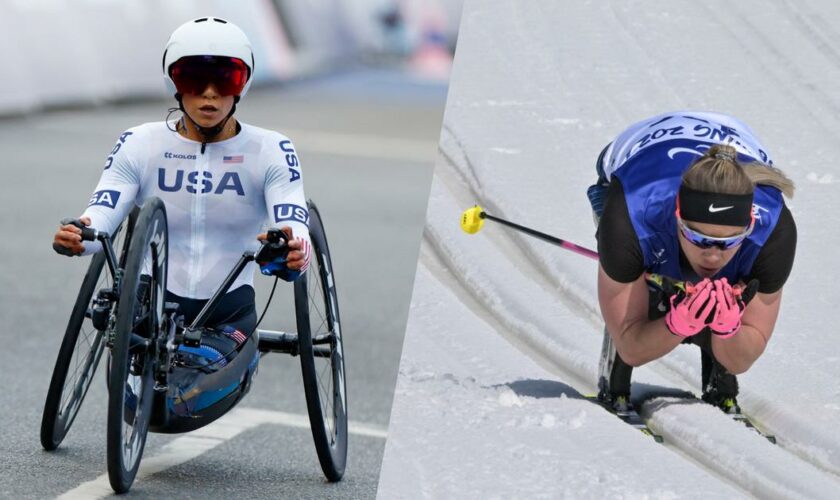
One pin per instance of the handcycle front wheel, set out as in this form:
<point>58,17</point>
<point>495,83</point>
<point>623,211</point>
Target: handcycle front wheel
<point>78,356</point>
<point>133,354</point>
<point>322,353</point>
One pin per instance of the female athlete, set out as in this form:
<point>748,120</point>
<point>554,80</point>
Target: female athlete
<point>692,197</point>
<point>218,179</point>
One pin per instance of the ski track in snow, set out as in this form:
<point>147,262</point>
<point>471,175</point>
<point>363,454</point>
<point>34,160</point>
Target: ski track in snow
<point>474,418</point>
<point>716,443</point>
<point>582,72</point>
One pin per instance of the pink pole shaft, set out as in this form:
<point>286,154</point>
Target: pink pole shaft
<point>580,250</point>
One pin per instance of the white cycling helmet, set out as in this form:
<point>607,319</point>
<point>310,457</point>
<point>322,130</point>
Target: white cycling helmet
<point>208,36</point>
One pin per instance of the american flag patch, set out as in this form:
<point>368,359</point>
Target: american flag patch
<point>233,159</point>
<point>235,334</point>
<point>305,247</point>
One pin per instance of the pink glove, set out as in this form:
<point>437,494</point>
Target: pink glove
<point>687,317</point>
<point>727,318</point>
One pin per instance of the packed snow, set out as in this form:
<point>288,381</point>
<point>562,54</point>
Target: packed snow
<point>505,331</point>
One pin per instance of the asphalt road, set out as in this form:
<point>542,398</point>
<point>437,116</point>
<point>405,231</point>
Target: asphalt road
<point>367,142</point>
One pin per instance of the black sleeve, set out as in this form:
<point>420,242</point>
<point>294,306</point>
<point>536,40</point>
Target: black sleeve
<point>774,262</point>
<point>618,246</point>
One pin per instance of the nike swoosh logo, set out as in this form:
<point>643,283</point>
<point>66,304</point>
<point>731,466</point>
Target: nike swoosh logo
<point>713,208</point>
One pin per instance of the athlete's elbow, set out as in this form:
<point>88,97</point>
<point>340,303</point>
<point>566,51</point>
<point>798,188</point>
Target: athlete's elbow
<point>633,359</point>
<point>737,367</point>
<point>737,359</point>
<point>630,352</point>
<point>734,364</point>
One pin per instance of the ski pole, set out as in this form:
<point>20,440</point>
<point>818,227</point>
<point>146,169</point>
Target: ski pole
<point>472,221</point>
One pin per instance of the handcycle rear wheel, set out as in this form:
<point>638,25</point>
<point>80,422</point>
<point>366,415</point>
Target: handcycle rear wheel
<point>133,354</point>
<point>322,353</point>
<point>78,356</point>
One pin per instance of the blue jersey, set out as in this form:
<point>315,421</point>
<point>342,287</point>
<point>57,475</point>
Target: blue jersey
<point>649,159</point>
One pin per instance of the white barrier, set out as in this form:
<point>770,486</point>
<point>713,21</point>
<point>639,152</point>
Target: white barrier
<point>90,51</point>
<point>334,27</point>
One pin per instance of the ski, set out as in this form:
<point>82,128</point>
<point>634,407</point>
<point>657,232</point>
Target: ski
<point>740,417</point>
<point>642,392</point>
<point>632,418</point>
<point>681,394</point>
<point>629,416</point>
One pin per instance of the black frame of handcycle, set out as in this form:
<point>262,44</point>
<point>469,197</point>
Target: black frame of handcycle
<point>284,342</point>
<point>165,332</point>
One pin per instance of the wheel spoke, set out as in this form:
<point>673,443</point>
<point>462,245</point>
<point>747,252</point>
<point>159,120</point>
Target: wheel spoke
<point>80,378</point>
<point>84,356</point>
<point>327,397</point>
<point>314,303</point>
<point>321,334</point>
<point>134,385</point>
<point>319,289</point>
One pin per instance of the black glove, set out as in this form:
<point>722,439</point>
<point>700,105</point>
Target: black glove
<point>747,293</point>
<point>272,256</point>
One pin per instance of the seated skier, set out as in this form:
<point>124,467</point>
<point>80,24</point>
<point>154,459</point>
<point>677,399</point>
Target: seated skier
<point>693,197</point>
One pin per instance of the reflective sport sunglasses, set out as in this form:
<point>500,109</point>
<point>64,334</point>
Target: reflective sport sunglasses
<point>701,240</point>
<point>192,74</point>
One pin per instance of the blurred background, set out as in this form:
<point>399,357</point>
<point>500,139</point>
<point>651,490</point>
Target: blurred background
<point>95,51</point>
<point>359,86</point>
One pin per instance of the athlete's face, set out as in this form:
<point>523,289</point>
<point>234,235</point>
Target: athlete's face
<point>208,108</point>
<point>706,262</point>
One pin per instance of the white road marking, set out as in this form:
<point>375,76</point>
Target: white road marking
<point>295,420</point>
<point>197,442</point>
<point>366,146</point>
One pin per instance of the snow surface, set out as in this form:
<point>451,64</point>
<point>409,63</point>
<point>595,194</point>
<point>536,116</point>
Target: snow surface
<point>505,331</point>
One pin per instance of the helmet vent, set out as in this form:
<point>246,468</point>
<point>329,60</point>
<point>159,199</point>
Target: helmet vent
<point>220,20</point>
<point>200,20</point>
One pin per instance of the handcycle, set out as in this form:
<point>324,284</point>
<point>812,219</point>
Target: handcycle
<point>121,306</point>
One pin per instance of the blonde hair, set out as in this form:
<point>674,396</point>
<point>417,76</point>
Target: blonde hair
<point>719,171</point>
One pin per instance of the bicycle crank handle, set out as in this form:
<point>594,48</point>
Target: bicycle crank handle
<point>275,245</point>
<point>88,233</point>
<point>277,237</point>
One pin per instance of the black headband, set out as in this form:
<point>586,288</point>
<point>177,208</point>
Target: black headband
<point>715,208</point>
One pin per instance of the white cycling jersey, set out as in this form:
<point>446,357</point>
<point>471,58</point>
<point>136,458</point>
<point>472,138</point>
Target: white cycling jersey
<point>216,202</point>
<point>702,128</point>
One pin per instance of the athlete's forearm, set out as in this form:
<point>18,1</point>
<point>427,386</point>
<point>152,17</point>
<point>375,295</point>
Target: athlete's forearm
<point>107,208</point>
<point>645,341</point>
<point>625,309</point>
<point>738,353</point>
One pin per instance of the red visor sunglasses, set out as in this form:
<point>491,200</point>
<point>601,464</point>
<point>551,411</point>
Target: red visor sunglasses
<point>192,74</point>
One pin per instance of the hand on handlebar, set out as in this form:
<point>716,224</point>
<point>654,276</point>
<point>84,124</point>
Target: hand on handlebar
<point>68,239</point>
<point>295,258</point>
